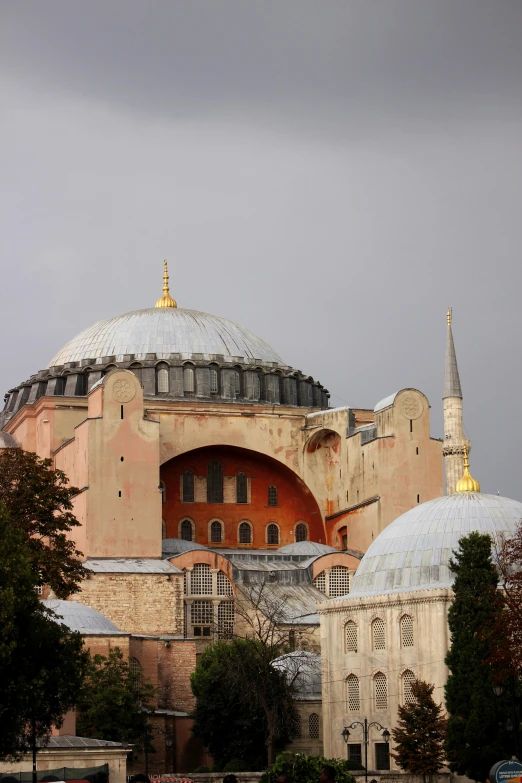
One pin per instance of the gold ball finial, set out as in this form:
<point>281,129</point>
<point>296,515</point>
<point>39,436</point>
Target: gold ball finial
<point>467,483</point>
<point>448,315</point>
<point>166,300</point>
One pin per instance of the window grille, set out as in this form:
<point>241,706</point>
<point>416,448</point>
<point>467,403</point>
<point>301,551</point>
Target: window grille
<point>380,689</point>
<point>215,482</point>
<point>379,634</point>
<point>241,488</point>
<point>354,700</point>
<point>201,613</point>
<point>188,487</point>
<point>320,582</point>
<point>272,534</point>
<point>201,580</point>
<point>382,755</point>
<point>162,376</point>
<point>216,533</point>
<point>186,530</point>
<point>188,380</point>
<point>213,381</point>
<point>406,631</point>
<point>245,533</point>
<point>237,383</point>
<point>185,582</point>
<point>408,678</point>
<point>297,726</point>
<point>135,670</point>
<point>272,496</point>
<point>226,619</point>
<point>313,726</point>
<point>355,752</point>
<point>301,533</point>
<point>350,630</point>
<point>223,584</point>
<point>257,387</point>
<point>339,581</point>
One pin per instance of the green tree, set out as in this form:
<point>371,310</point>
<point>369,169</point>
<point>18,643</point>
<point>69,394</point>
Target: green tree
<point>421,732</point>
<point>39,502</point>
<point>306,769</point>
<point>42,664</point>
<point>234,684</point>
<point>476,736</point>
<point>114,702</point>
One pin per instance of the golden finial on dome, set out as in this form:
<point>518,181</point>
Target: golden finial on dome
<point>166,300</point>
<point>467,483</point>
<point>448,315</point>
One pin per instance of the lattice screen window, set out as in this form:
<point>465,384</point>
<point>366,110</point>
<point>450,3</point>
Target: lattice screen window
<point>188,487</point>
<point>313,726</point>
<point>407,631</point>
<point>272,496</point>
<point>162,377</point>
<point>379,634</point>
<point>350,630</point>
<point>188,380</point>
<point>380,691</point>
<point>185,530</point>
<point>223,584</point>
<point>297,727</point>
<point>320,582</point>
<point>201,580</point>
<point>408,678</point>
<point>185,582</point>
<point>354,699</point>
<point>137,675</point>
<point>272,534</point>
<point>226,619</point>
<point>301,533</point>
<point>213,382</point>
<point>216,532</point>
<point>257,387</point>
<point>237,382</point>
<point>215,482</point>
<point>339,581</point>
<point>201,613</point>
<point>241,488</point>
<point>245,533</point>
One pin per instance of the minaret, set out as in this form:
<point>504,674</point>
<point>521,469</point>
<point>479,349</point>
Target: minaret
<point>455,444</point>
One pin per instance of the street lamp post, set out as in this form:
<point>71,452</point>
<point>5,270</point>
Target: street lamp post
<point>345,734</point>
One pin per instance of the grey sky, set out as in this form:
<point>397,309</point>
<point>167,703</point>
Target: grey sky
<point>330,174</point>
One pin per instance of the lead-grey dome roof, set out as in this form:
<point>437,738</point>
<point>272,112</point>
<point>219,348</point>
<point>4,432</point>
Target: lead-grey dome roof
<point>306,548</point>
<point>413,553</point>
<point>78,617</point>
<point>164,331</point>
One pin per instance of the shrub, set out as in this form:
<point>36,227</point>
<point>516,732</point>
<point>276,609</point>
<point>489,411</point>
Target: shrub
<point>306,769</point>
<point>235,765</point>
<point>203,768</point>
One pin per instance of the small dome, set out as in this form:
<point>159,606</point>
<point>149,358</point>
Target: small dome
<point>413,553</point>
<point>78,617</point>
<point>304,669</point>
<point>7,441</point>
<point>309,548</point>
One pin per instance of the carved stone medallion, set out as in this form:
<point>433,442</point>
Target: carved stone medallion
<point>411,407</point>
<point>123,390</point>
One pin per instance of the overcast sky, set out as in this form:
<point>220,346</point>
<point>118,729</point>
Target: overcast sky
<point>332,175</point>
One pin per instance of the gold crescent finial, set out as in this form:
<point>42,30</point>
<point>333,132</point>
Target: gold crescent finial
<point>467,483</point>
<point>166,300</point>
<point>448,315</point>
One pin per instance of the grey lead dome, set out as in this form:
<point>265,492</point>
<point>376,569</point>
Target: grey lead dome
<point>164,331</point>
<point>81,618</point>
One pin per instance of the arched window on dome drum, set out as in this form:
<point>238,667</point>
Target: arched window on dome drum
<point>378,634</point>
<point>407,680</point>
<point>237,383</point>
<point>353,697</point>
<point>407,639</point>
<point>136,673</point>
<point>188,487</point>
<point>272,534</point>
<point>188,380</point>
<point>185,530</point>
<point>350,635</point>
<point>313,726</point>
<point>301,533</point>
<point>380,691</point>
<point>215,482</point>
<point>241,488</point>
<point>162,379</point>
<point>272,495</point>
<point>216,532</point>
<point>213,381</point>
<point>245,533</point>
<point>257,387</point>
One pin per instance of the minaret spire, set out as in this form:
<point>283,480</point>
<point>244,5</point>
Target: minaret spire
<point>166,300</point>
<point>451,376</point>
<point>456,446</point>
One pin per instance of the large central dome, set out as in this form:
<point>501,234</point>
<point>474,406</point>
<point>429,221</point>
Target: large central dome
<point>166,331</point>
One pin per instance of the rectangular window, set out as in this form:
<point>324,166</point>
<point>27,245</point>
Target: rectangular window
<point>355,752</point>
<point>382,755</point>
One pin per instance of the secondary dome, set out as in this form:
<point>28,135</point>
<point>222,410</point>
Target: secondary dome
<point>164,331</point>
<point>413,553</point>
<point>81,618</point>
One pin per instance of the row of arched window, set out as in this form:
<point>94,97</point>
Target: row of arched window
<point>379,690</point>
<point>215,491</point>
<point>245,535</point>
<point>378,634</point>
<point>313,726</point>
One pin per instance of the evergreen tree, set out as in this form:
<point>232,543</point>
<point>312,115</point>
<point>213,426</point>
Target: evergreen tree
<point>477,736</point>
<point>419,737</point>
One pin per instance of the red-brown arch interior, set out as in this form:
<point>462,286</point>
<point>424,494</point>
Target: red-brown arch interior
<point>295,501</point>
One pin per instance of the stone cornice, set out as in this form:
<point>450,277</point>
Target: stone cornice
<point>415,598</point>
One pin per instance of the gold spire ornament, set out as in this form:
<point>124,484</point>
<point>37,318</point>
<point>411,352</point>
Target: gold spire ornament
<point>467,483</point>
<point>166,300</point>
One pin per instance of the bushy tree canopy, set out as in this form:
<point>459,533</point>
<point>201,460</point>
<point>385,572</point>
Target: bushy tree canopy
<point>421,732</point>
<point>306,769</point>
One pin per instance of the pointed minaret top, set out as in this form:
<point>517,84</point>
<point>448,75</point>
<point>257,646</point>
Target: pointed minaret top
<point>451,375</point>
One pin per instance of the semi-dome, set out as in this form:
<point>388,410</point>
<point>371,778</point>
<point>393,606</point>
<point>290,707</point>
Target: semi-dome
<point>81,618</point>
<point>413,553</point>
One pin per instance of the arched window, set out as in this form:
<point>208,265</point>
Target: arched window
<point>136,673</point>
<point>407,680</point>
<point>350,635</point>
<point>223,584</point>
<point>216,532</point>
<point>272,534</point>
<point>257,387</point>
<point>339,581</point>
<point>237,383</point>
<point>353,697</point>
<point>407,639</point>
<point>313,726</point>
<point>162,379</point>
<point>188,487</point>
<point>320,582</point>
<point>241,488</point>
<point>380,691</point>
<point>378,634</point>
<point>226,619</point>
<point>201,580</point>
<point>272,496</point>
<point>201,617</point>
<point>215,482</point>
<point>301,532</point>
<point>188,380</point>
<point>297,727</point>
<point>213,381</point>
<point>186,530</point>
<point>163,491</point>
<point>245,533</point>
